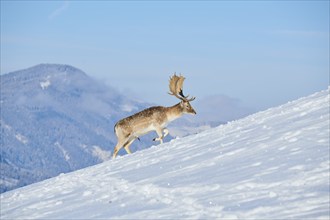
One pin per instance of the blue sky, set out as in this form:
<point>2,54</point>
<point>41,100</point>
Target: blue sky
<point>263,53</point>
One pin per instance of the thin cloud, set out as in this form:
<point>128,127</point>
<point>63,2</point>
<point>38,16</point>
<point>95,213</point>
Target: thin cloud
<point>58,11</point>
<point>294,33</point>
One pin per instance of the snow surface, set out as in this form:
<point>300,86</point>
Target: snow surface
<point>270,165</point>
<point>45,84</point>
<point>22,138</point>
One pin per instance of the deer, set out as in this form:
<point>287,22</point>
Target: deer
<point>153,119</point>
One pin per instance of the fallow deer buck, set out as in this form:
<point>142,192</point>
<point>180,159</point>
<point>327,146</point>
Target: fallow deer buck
<point>153,119</point>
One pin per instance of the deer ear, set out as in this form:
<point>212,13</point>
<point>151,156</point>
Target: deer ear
<point>181,104</point>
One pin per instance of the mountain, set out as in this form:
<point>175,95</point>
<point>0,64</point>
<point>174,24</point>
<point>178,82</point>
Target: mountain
<point>56,119</point>
<point>270,165</point>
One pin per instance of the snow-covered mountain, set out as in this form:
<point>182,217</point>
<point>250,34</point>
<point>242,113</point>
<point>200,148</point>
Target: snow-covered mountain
<point>56,119</point>
<point>270,165</point>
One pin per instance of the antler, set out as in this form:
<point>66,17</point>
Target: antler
<point>176,88</point>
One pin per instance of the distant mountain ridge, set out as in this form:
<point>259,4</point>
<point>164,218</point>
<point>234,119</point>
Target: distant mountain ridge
<point>56,119</point>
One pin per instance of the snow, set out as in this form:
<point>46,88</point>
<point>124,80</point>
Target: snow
<point>270,165</point>
<point>182,131</point>
<point>64,152</point>
<point>45,84</point>
<point>74,111</point>
<point>22,138</point>
<point>103,155</point>
<point>5,126</point>
<point>8,181</point>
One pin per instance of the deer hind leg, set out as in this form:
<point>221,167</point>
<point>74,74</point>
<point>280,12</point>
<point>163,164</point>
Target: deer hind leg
<point>128,143</point>
<point>117,148</point>
<point>160,134</point>
<point>121,143</point>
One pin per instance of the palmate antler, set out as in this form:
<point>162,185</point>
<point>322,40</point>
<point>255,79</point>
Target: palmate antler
<point>176,88</point>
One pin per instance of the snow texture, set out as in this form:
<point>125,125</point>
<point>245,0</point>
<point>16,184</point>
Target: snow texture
<point>270,165</point>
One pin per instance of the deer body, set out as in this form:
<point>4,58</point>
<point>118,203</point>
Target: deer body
<point>151,119</point>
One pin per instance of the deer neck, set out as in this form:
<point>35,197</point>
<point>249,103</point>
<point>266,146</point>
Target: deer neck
<point>174,112</point>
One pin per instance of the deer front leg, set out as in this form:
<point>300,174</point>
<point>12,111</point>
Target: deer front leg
<point>165,130</point>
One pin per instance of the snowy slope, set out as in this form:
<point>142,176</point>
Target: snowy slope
<point>270,165</point>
